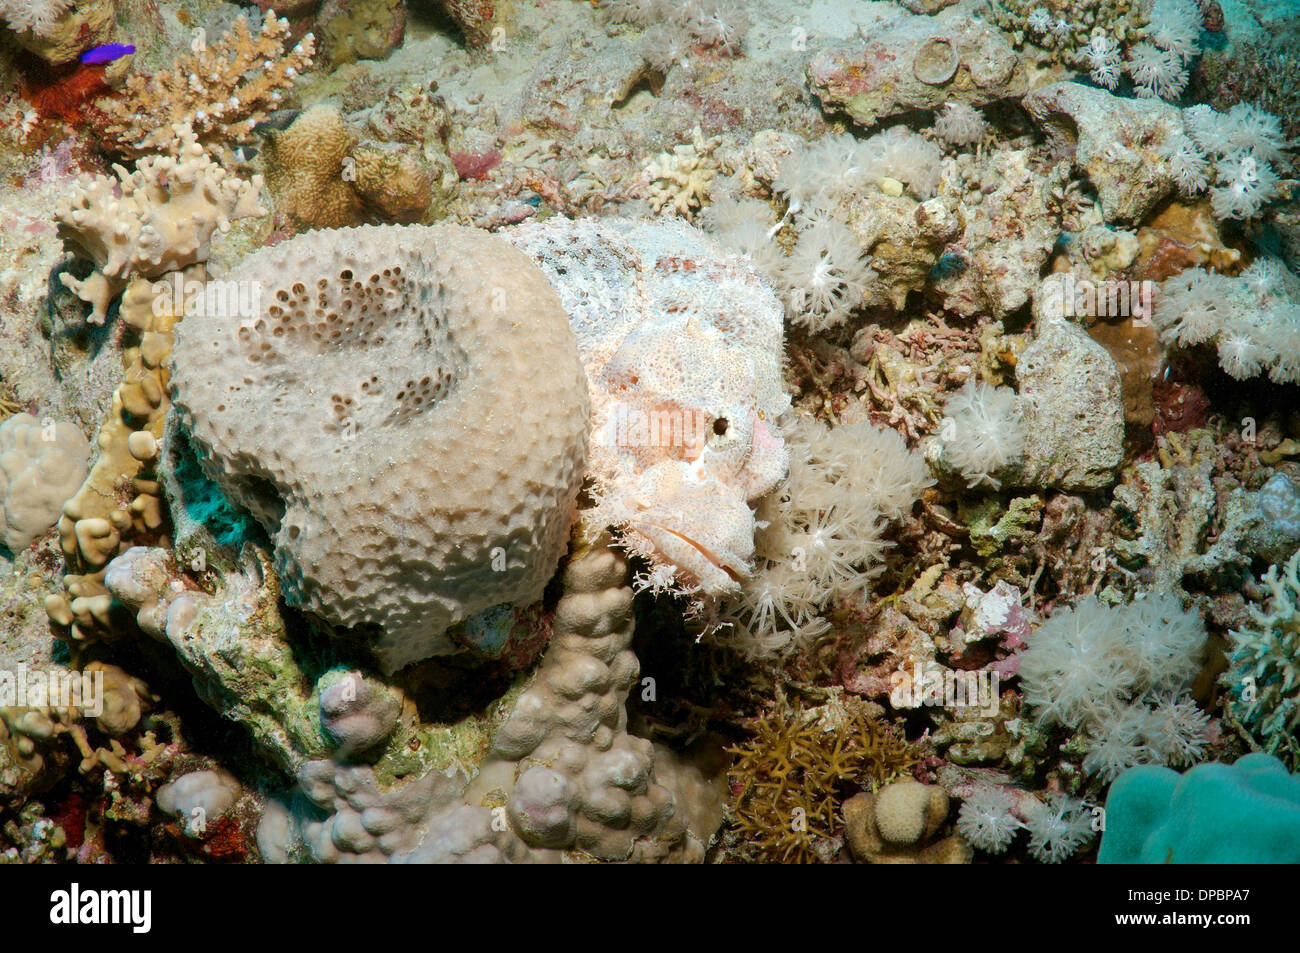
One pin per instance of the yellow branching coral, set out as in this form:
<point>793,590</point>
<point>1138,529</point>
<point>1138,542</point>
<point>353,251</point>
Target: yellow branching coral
<point>790,777</point>
<point>220,90</point>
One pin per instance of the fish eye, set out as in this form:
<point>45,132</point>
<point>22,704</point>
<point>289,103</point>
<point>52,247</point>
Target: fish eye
<point>720,426</point>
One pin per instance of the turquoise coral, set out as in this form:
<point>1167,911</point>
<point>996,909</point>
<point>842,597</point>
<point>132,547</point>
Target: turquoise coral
<point>1244,813</point>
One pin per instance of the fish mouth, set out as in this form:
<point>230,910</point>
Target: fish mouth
<point>734,571</point>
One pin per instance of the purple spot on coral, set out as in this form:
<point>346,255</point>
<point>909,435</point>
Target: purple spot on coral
<point>107,52</point>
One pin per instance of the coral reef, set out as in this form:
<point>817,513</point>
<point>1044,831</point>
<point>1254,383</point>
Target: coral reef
<point>648,430</point>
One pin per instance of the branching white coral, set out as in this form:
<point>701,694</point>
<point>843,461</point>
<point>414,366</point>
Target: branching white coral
<point>986,821</point>
<point>960,125</point>
<point>1249,182</point>
<point>983,431</point>
<point>1253,320</point>
<point>38,16</point>
<point>1087,660</point>
<point>1156,72</point>
<point>1059,828</point>
<point>820,536</point>
<point>825,276</point>
<point>1175,25</point>
<point>1241,144</point>
<point>1175,730</point>
<point>1102,54</point>
<point>1116,676</point>
<point>1187,164</point>
<point>1248,128</point>
<point>826,172</point>
<point>912,159</point>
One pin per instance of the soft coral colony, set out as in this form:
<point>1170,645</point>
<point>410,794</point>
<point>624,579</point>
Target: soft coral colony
<point>435,382</point>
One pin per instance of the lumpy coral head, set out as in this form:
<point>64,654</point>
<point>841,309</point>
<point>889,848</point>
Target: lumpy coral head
<point>1244,813</point>
<point>405,414</point>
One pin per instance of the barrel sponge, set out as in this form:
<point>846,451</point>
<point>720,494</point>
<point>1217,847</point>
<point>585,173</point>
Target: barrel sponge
<point>42,464</point>
<point>1244,813</point>
<point>406,416</point>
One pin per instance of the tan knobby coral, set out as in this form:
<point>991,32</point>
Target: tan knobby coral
<point>163,220</point>
<point>121,498</point>
<point>896,825</point>
<point>407,419</point>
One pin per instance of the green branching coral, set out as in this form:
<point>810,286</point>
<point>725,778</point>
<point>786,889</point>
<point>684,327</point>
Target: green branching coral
<point>1263,677</point>
<point>791,777</point>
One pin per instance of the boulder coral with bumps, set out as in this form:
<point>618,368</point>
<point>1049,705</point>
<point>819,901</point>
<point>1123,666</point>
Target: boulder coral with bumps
<point>386,423</point>
<point>897,825</point>
<point>42,463</point>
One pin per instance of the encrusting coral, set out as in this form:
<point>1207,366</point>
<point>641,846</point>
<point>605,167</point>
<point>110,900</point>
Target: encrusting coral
<point>219,91</point>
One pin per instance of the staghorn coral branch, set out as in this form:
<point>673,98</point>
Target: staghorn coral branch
<point>221,91</point>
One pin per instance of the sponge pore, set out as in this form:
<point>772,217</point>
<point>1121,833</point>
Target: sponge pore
<point>406,415</point>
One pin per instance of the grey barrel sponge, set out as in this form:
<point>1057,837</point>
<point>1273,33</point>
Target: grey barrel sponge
<point>406,415</point>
